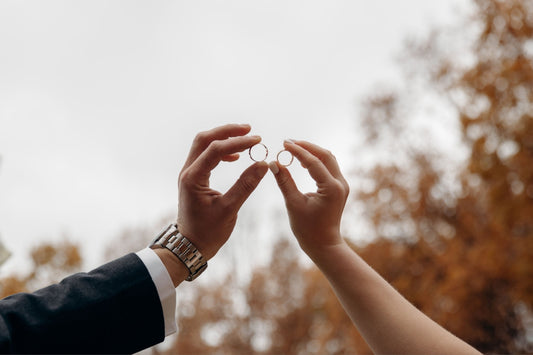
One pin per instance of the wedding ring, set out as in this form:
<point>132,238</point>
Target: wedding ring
<point>256,153</point>
<point>284,160</point>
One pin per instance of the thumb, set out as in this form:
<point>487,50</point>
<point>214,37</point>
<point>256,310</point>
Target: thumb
<point>285,182</point>
<point>245,185</point>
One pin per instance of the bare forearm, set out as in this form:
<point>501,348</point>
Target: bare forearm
<point>387,321</point>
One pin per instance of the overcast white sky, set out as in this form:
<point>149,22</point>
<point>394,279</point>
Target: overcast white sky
<point>100,100</point>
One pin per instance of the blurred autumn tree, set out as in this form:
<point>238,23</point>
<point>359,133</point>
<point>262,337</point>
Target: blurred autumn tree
<point>466,256</point>
<point>49,263</point>
<point>286,308</point>
<point>455,239</point>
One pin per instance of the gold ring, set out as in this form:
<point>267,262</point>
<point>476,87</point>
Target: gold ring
<point>250,152</point>
<point>290,162</point>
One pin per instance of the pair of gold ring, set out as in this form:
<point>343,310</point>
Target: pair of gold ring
<point>282,160</point>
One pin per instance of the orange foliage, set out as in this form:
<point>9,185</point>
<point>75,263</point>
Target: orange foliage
<point>466,259</point>
<point>285,309</point>
<point>461,252</point>
<point>50,263</point>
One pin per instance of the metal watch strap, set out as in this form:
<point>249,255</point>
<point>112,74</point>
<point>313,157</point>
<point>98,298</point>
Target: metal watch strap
<point>182,247</point>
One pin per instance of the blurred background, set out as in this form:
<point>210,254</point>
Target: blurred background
<point>427,106</point>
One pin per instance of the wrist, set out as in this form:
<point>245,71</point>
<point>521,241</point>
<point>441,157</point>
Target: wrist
<point>200,238</point>
<point>182,248</point>
<point>323,252</point>
<point>176,269</point>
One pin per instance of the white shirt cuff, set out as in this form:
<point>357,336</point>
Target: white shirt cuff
<point>163,284</point>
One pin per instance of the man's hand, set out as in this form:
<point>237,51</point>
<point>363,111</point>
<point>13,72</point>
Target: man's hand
<point>315,217</point>
<point>205,216</point>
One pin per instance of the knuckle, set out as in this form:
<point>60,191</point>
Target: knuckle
<point>183,177</point>
<point>247,183</point>
<point>339,189</point>
<point>283,180</point>
<point>202,137</point>
<point>215,147</point>
<point>314,162</point>
<point>346,189</point>
<point>225,205</point>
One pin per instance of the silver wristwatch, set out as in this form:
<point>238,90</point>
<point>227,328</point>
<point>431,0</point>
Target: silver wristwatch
<point>182,247</point>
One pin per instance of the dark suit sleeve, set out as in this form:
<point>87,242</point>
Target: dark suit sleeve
<point>112,309</point>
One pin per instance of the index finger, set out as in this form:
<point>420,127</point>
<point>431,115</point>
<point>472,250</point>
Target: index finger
<point>325,156</point>
<point>214,154</point>
<point>203,139</point>
<point>317,169</point>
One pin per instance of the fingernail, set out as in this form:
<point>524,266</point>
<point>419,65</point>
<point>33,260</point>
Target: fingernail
<point>273,167</point>
<point>256,137</point>
<point>290,141</point>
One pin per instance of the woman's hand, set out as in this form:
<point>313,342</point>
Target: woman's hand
<point>315,217</point>
<point>386,320</point>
